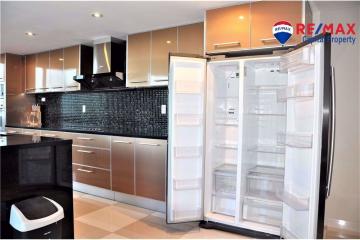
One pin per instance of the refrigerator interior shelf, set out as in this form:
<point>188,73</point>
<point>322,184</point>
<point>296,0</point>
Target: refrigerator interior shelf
<point>266,113</point>
<point>295,139</point>
<point>187,184</point>
<point>267,170</point>
<point>274,149</point>
<point>184,215</point>
<point>295,202</point>
<point>224,195</point>
<point>188,119</point>
<point>188,152</point>
<point>296,91</point>
<point>266,87</point>
<point>263,195</point>
<point>226,122</point>
<point>225,179</point>
<point>227,145</point>
<point>190,87</point>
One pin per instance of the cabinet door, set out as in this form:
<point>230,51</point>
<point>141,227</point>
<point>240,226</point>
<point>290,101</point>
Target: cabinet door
<point>30,66</point>
<point>191,39</point>
<point>14,74</point>
<point>71,67</point>
<point>228,28</point>
<point>150,162</point>
<point>55,82</point>
<point>42,71</point>
<point>263,20</point>
<point>138,59</point>
<point>163,42</point>
<point>123,165</point>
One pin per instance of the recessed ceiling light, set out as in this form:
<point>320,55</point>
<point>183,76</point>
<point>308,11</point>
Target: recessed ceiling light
<point>168,41</point>
<point>97,15</point>
<point>241,17</point>
<point>31,34</point>
<point>61,59</point>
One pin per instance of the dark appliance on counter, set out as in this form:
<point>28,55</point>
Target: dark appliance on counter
<point>109,65</point>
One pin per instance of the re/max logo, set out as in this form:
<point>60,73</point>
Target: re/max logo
<point>337,29</point>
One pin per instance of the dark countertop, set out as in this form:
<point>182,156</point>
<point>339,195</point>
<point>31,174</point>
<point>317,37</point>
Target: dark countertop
<point>10,140</point>
<point>107,132</point>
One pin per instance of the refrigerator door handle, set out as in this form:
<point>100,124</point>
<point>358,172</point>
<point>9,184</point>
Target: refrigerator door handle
<point>332,137</point>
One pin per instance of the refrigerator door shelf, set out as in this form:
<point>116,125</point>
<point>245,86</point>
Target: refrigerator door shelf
<point>295,139</point>
<point>299,91</point>
<point>295,202</point>
<point>227,122</point>
<point>187,184</point>
<point>188,119</point>
<point>299,60</point>
<point>188,151</point>
<point>187,215</point>
<point>272,149</point>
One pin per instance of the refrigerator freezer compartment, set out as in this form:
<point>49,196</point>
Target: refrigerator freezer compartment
<point>225,179</point>
<point>295,140</point>
<point>267,149</point>
<point>298,60</point>
<point>296,91</point>
<point>188,119</point>
<point>265,181</point>
<point>186,214</point>
<point>187,184</point>
<point>293,201</point>
<point>262,212</point>
<point>191,87</point>
<point>188,152</point>
<point>223,204</point>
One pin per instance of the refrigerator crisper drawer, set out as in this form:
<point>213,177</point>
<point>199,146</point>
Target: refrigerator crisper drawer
<point>266,212</point>
<point>224,204</point>
<point>225,179</point>
<point>263,180</point>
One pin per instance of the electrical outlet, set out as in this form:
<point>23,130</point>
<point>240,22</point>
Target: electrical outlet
<point>43,99</point>
<point>163,109</point>
<point>83,108</point>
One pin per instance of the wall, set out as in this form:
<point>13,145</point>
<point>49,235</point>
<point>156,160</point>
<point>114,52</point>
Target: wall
<point>134,112</point>
<point>344,202</point>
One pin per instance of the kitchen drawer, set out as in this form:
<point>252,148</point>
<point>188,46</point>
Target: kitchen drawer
<point>91,140</point>
<point>91,157</point>
<point>92,176</point>
<point>31,132</point>
<point>52,134</point>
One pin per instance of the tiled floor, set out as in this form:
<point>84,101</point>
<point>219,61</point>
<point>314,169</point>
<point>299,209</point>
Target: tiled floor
<point>101,218</point>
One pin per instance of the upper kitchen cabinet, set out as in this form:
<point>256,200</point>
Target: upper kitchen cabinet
<point>138,59</point>
<point>71,67</point>
<point>30,66</point>
<point>55,81</point>
<point>42,71</point>
<point>14,65</point>
<point>228,29</point>
<point>163,42</point>
<point>263,20</point>
<point>191,39</point>
<point>2,67</point>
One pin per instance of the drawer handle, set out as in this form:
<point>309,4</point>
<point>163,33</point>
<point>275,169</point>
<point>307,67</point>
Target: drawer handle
<point>30,133</point>
<point>50,135</point>
<point>226,44</point>
<point>138,81</point>
<point>10,131</point>
<point>150,144</point>
<point>124,142</point>
<point>84,151</point>
<point>86,139</point>
<point>268,40</point>
<point>84,170</point>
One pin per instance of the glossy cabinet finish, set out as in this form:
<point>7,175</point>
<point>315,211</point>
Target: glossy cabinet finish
<point>123,165</point>
<point>14,65</point>
<point>2,66</point>
<point>91,140</point>
<point>14,130</point>
<point>31,132</point>
<point>91,157</point>
<point>30,66</point>
<point>263,19</point>
<point>42,71</point>
<point>228,28</point>
<point>150,164</point>
<point>71,67</point>
<point>191,39</point>
<point>138,59</point>
<point>92,176</point>
<point>163,42</point>
<point>55,81</point>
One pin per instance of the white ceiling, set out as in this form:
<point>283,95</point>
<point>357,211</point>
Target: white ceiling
<point>60,24</point>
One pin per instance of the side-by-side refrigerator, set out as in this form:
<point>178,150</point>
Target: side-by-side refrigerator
<point>251,141</point>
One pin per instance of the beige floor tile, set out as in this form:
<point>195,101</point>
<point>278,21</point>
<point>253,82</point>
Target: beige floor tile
<point>154,227</point>
<point>202,233</point>
<point>98,199</point>
<point>133,210</point>
<point>85,231</point>
<point>77,194</point>
<point>82,207</point>
<point>110,218</point>
<point>114,236</point>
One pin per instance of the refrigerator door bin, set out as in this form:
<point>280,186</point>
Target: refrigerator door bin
<point>188,119</point>
<point>187,184</point>
<point>295,202</point>
<point>225,179</point>
<point>188,152</point>
<point>265,212</point>
<point>295,139</point>
<point>298,60</point>
<point>187,215</point>
<point>224,204</point>
<point>300,91</point>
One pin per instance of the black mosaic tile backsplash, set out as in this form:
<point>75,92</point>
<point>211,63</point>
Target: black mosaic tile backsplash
<point>128,112</point>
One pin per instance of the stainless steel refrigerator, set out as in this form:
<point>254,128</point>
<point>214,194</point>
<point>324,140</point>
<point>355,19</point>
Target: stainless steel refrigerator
<point>251,141</point>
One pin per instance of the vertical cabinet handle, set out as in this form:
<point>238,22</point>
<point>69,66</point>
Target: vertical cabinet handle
<point>332,137</point>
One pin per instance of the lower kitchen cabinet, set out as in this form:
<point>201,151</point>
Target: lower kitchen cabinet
<point>91,157</point>
<point>123,165</point>
<point>91,176</point>
<point>150,168</point>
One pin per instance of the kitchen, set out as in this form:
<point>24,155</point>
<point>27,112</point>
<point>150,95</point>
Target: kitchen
<point>132,98</point>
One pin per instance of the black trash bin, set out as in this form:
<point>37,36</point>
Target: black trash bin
<point>37,217</point>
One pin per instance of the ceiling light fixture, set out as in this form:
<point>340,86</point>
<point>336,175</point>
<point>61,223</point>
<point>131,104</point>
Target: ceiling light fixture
<point>97,15</point>
<point>61,59</point>
<point>241,17</point>
<point>168,41</point>
<point>30,34</point>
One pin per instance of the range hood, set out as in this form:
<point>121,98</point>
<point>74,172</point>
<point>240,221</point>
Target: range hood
<point>109,59</point>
